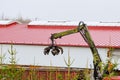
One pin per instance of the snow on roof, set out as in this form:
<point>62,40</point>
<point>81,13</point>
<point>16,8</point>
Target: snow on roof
<point>7,22</point>
<point>103,23</point>
<point>74,23</point>
<point>65,23</point>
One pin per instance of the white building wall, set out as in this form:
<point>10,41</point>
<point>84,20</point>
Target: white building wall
<point>30,55</point>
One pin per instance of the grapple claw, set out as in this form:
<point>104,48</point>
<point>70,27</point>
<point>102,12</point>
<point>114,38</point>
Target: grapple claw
<point>61,49</point>
<point>47,50</point>
<point>55,50</point>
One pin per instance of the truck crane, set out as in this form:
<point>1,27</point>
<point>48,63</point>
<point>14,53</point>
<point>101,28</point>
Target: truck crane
<point>83,30</point>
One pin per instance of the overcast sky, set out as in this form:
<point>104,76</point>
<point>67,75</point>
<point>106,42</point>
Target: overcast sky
<point>73,10</point>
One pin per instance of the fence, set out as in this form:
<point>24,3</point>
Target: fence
<point>24,72</point>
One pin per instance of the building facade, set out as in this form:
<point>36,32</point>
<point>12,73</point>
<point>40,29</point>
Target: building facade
<point>29,41</point>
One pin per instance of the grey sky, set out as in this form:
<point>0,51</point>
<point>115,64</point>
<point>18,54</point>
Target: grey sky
<point>73,10</point>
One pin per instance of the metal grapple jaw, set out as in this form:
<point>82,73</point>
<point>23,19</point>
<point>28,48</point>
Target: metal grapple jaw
<point>54,49</point>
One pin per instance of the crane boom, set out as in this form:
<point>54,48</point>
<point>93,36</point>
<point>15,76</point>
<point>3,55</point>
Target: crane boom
<point>85,34</point>
<point>82,28</point>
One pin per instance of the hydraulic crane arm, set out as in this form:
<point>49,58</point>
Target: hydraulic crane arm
<point>82,28</point>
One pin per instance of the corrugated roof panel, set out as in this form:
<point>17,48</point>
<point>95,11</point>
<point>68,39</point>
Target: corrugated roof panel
<point>21,34</point>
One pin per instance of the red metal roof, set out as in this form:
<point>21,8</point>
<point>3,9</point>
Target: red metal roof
<point>22,34</point>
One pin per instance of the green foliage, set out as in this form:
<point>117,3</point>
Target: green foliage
<point>32,73</point>
<point>109,69</point>
<point>2,56</point>
<point>12,53</point>
<point>11,72</point>
<point>68,63</point>
<point>14,72</point>
<point>60,77</point>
